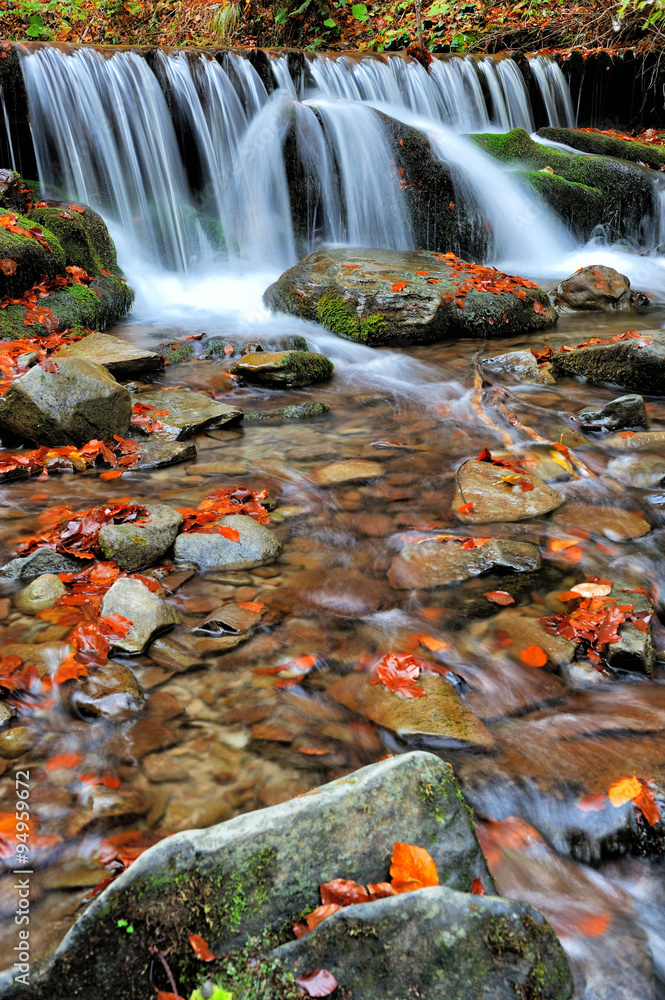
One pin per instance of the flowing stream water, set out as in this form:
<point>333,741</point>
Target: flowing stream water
<point>186,157</point>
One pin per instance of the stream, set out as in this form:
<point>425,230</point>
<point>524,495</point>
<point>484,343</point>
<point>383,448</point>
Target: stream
<point>217,736</point>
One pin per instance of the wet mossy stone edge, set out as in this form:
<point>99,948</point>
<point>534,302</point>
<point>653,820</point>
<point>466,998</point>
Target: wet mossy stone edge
<point>376,297</point>
<point>259,872</point>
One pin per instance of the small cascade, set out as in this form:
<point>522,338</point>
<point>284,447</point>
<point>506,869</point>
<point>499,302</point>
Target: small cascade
<point>5,119</point>
<point>554,91</point>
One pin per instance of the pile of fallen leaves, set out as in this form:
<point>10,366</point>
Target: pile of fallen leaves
<point>34,312</point>
<point>593,618</point>
<point>221,503</point>
<point>546,353</point>
<point>120,454</point>
<point>145,417</point>
<point>12,350</point>
<point>77,532</point>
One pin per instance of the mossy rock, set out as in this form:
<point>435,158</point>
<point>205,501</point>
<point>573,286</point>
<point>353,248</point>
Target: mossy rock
<point>174,351</point>
<point>385,297</point>
<point>606,145</point>
<point>83,236</point>
<point>627,189</point>
<point>284,368</point>
<point>86,307</point>
<point>33,260</point>
<point>581,207</point>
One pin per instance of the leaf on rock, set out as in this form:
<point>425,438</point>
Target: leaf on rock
<point>201,949</point>
<point>344,892</point>
<point>623,790</point>
<point>477,887</point>
<point>319,983</point>
<point>398,286</point>
<point>412,868</point>
<point>533,656</point>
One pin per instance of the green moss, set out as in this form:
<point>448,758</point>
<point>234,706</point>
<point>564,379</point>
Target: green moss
<point>305,367</point>
<point>580,206</point>
<point>174,351</point>
<point>606,145</point>
<point>341,318</point>
<point>84,237</point>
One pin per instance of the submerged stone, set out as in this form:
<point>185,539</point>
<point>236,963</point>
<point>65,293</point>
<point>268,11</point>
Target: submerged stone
<point>523,365</point>
<point>110,692</point>
<point>441,719</point>
<point>40,594</point>
<point>156,454</point>
<point>378,297</point>
<point>437,563</point>
<point>79,402</point>
<point>347,472</point>
<point>186,413</point>
<point>284,368</point>
<point>119,357</point>
<point>303,411</point>
<point>496,496</point>
<point>436,943</point>
<point>136,546</point>
<point>262,870</point>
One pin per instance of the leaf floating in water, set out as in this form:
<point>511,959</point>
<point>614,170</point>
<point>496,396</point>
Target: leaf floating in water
<point>533,656</point>
<point>593,924</point>
<point>499,597</point>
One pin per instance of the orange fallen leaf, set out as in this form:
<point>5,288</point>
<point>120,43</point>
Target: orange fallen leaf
<point>623,790</point>
<point>592,803</point>
<point>593,925</point>
<point>110,474</point>
<point>63,761</point>
<point>434,644</point>
<point>318,983</point>
<point>627,434</point>
<point>533,656</point>
<point>201,949</point>
<point>316,917</point>
<point>477,887</point>
<point>398,286</point>
<point>466,508</point>
<point>499,597</point>
<point>412,868</point>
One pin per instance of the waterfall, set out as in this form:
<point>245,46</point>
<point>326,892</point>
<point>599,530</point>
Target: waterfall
<point>191,160</point>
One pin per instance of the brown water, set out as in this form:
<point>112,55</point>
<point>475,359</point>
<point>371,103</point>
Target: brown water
<point>219,738</point>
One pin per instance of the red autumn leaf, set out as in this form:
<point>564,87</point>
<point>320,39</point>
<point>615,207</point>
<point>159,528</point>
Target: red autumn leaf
<point>398,674</point>
<point>93,779</point>
<point>421,273</point>
<point>627,434</point>
<point>412,868</point>
<point>63,762</point>
<point>110,474</point>
<point>592,803</point>
<point>593,924</point>
<point>380,890</point>
<point>319,983</point>
<point>538,307</point>
<point>533,656</point>
<point>201,949</point>
<point>76,208</point>
<point>499,597</point>
<point>8,266</point>
<point>466,508</point>
<point>344,892</point>
<point>316,917</point>
<point>477,887</point>
<point>485,455</point>
<point>69,669</point>
<point>398,286</point>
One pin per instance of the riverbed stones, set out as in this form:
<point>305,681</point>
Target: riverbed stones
<point>157,454</point>
<point>434,562</point>
<point>436,943</point>
<point>441,719</point>
<point>640,470</point>
<point>136,546</point>
<point>40,594</point>
<point>639,441</point>
<point>262,870</point>
<point>619,414</point>
<point>110,692</point>
<point>284,369</point>
<point>613,522</point>
<point>377,297</point>
<point>148,613</point>
<point>255,546</point>
<point>186,413</point>
<point>42,561</point>
<point>347,471</point>
<point>523,365</point>
<point>594,287</point>
<point>497,495</point>
<point>301,411</point>
<point>637,364</point>
<point>79,402</point>
<point>120,358</point>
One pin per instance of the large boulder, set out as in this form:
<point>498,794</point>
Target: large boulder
<point>596,287</point>
<point>255,546</point>
<point>618,414</point>
<point>436,943</point>
<point>261,871</point>
<point>75,404</point>
<point>135,546</point>
<point>381,297</point>
<point>120,357</point>
<point>488,492</point>
<point>637,363</point>
<point>183,413</point>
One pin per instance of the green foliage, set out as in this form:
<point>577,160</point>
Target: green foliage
<point>217,994</point>
<point>654,10</point>
<point>359,11</point>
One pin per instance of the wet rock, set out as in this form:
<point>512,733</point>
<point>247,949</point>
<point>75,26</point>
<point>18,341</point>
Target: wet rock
<point>637,364</point>
<point>136,546</point>
<point>7,713</point>
<point>525,631</point>
<point>637,441</point>
<point>436,943</point>
<point>342,592</point>
<point>495,499</point>
<point>641,470</point>
<point>110,692</point>
<point>40,594</point>
<point>175,351</point>
<point>594,287</point>
<point>523,365</point>
<point>79,402</point>
<point>121,358</point>
<point>284,368</point>
<point>149,615</point>
<point>41,561</point>
<point>612,522</point>
<point>438,563</point>
<point>635,651</point>
<point>98,804</point>
<point>346,829</point>
<point>257,545</point>
<point>187,413</point>
<point>620,413</point>
<point>347,472</point>
<point>441,719</point>
<point>15,741</point>
<point>156,454</point>
<point>217,469</point>
<point>302,411</point>
<point>376,297</point>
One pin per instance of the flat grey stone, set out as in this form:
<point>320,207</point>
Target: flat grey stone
<point>119,357</point>
<point>619,414</point>
<point>40,594</point>
<point>136,546</point>
<point>42,561</point>
<point>437,944</point>
<point>257,545</point>
<point>76,404</point>
<point>156,454</point>
<point>149,614</point>
<point>437,563</point>
<point>188,413</point>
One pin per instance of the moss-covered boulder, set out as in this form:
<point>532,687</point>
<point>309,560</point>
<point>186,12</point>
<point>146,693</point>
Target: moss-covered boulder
<point>599,144</point>
<point>637,364</point>
<point>284,368</point>
<point>45,241</point>
<point>260,872</point>
<point>436,943</point>
<point>585,191</point>
<point>382,297</point>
